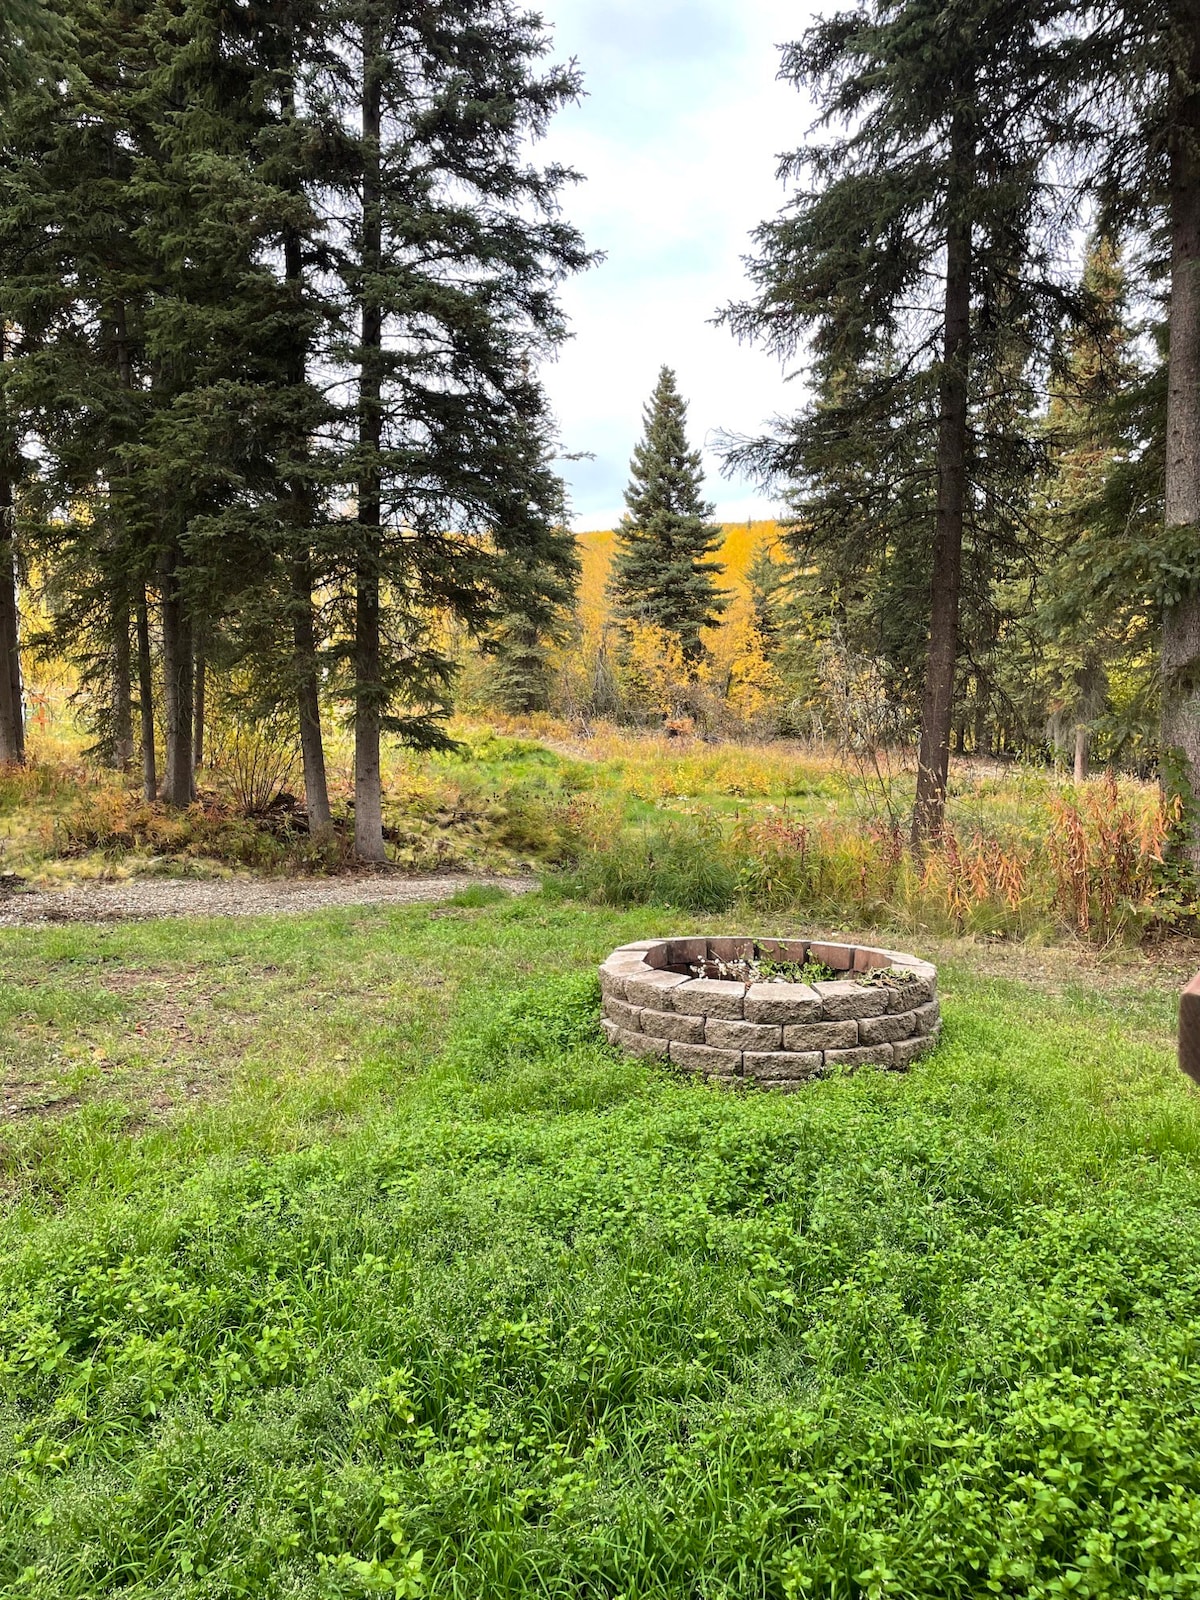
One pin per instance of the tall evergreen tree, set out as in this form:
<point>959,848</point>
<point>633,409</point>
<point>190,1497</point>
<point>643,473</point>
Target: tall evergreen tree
<point>538,586</point>
<point>918,254</point>
<point>211,325</point>
<point>663,572</point>
<point>1096,593</point>
<point>258,545</point>
<point>766,579</point>
<point>452,249</point>
<point>66,244</point>
<point>30,36</point>
<point>12,715</point>
<point>1138,68</point>
<point>136,234</point>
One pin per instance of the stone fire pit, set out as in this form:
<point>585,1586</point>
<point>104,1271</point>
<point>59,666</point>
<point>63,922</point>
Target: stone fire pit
<point>878,1009</point>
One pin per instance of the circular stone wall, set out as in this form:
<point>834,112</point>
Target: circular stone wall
<point>880,1010</point>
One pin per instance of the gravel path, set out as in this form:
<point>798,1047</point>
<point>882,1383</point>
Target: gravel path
<point>140,898</point>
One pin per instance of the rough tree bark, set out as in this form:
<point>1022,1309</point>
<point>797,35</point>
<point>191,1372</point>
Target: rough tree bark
<point>122,689</point>
<point>146,695</point>
<point>368,693</point>
<point>178,787</point>
<point>12,709</point>
<point>308,702</point>
<point>1181,621</point>
<point>1083,742</point>
<point>933,760</point>
<point>304,636</point>
<point>199,687</point>
<point>122,696</point>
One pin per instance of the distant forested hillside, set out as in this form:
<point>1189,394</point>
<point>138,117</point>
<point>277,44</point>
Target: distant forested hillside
<point>741,540</point>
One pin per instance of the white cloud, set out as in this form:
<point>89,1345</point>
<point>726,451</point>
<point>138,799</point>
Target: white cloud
<point>678,141</point>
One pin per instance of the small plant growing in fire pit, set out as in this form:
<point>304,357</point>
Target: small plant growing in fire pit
<point>770,971</point>
<point>759,968</point>
<point>887,978</point>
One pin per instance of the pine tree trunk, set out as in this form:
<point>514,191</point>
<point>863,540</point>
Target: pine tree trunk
<point>122,665</point>
<point>1181,621</point>
<point>304,636</point>
<point>983,728</point>
<point>122,693</point>
<point>368,799</point>
<point>146,696</point>
<point>1083,741</point>
<point>199,687</point>
<point>178,777</point>
<point>933,761</point>
<point>308,703</point>
<point>12,709</point>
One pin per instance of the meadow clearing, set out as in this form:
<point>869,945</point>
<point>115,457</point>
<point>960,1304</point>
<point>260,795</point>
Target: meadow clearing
<point>625,817</point>
<point>341,1256</point>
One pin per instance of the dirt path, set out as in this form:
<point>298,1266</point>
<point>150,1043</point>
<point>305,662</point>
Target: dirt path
<point>139,898</point>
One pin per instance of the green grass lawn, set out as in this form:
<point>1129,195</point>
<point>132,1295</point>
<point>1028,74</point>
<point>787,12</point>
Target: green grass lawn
<point>341,1257</point>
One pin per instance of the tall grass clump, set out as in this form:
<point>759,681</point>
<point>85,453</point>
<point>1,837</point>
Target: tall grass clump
<point>683,862</point>
<point>1088,864</point>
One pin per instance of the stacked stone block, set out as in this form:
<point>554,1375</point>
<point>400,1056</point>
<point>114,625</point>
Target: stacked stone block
<point>779,1035</point>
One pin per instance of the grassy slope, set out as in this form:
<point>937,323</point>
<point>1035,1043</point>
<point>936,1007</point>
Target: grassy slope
<point>436,1295</point>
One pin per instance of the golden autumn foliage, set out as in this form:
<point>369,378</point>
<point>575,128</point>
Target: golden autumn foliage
<point>648,669</point>
<point>596,554</point>
<point>652,670</point>
<point>737,664</point>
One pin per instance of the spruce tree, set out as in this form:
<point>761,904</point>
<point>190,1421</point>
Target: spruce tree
<point>279,277</point>
<point>1138,70</point>
<point>12,716</point>
<point>1095,593</point>
<point>766,579</point>
<point>29,36</point>
<point>917,256</point>
<point>539,586</point>
<point>213,298</point>
<point>79,276</point>
<point>663,572</point>
<point>450,248</point>
<point>135,237</point>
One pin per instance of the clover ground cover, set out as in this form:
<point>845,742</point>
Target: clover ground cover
<point>431,1293</point>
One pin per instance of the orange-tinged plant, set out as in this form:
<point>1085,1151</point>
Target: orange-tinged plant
<point>1104,850</point>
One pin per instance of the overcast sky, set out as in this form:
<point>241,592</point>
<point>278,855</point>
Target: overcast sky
<point>677,140</point>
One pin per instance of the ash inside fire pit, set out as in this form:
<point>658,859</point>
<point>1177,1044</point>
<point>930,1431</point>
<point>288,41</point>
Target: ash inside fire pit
<point>778,1012</point>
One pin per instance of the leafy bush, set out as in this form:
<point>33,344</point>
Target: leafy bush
<point>257,757</point>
